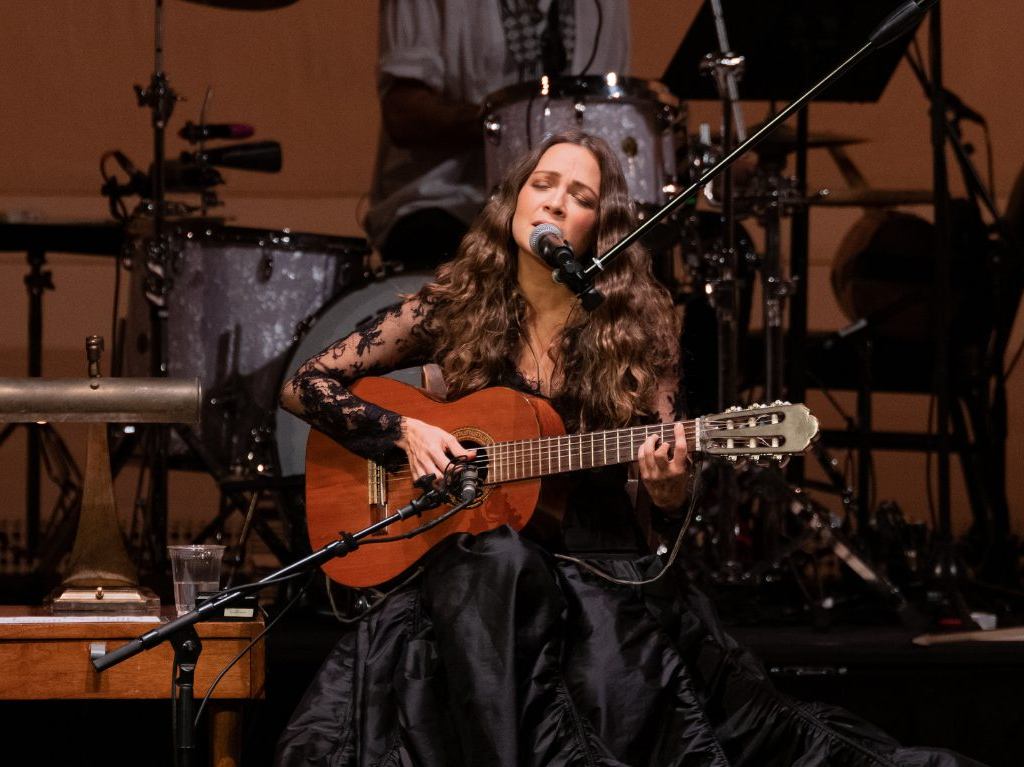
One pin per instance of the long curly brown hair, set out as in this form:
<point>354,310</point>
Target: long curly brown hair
<point>609,361</point>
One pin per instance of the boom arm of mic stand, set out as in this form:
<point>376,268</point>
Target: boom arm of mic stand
<point>894,25</point>
<point>337,548</point>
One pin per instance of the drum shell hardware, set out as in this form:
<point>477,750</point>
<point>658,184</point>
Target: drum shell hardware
<point>237,299</point>
<point>638,119</point>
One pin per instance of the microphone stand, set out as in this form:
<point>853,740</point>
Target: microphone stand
<point>181,632</point>
<point>726,69</point>
<point>902,19</point>
<point>160,98</point>
<point>992,406</point>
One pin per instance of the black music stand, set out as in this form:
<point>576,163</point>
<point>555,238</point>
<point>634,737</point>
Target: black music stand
<point>786,45</point>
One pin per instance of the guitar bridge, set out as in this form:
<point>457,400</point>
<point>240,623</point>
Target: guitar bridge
<point>377,489</point>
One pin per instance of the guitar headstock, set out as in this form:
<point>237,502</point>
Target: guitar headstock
<point>759,431</point>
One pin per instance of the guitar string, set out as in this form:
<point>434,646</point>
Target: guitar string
<point>532,451</point>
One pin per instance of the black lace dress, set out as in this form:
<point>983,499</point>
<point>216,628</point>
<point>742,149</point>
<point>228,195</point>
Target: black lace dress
<point>501,654</point>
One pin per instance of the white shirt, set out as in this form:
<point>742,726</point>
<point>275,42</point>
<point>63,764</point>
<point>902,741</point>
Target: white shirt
<point>458,48</point>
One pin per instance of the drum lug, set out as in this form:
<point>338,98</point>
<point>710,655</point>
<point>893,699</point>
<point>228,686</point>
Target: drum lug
<point>302,327</point>
<point>266,267</point>
<point>492,129</point>
<point>579,110</point>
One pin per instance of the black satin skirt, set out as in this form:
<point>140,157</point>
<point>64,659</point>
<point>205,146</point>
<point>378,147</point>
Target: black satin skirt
<point>501,655</point>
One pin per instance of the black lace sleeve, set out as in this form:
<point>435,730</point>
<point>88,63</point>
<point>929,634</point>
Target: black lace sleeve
<point>318,392</point>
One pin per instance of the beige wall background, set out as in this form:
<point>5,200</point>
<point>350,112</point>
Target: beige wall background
<point>304,75</point>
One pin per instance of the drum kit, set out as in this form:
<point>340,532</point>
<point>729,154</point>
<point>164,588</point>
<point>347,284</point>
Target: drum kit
<point>240,308</point>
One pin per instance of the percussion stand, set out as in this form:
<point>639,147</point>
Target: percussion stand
<point>947,568</point>
<point>987,408</point>
<point>159,97</point>
<point>894,26</point>
<point>45,445</point>
<point>726,68</point>
<point>770,205</point>
<point>775,288</point>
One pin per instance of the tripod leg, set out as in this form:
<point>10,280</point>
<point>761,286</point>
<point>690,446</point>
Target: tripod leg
<point>864,456</point>
<point>817,517</point>
<point>831,468</point>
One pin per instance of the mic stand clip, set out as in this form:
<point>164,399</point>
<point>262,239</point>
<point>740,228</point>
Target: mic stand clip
<point>570,273</point>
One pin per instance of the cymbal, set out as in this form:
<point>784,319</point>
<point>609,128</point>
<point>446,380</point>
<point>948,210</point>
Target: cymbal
<point>245,5</point>
<point>784,139</point>
<point>870,198</point>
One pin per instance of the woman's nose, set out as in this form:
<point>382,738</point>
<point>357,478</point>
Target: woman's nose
<point>555,202</point>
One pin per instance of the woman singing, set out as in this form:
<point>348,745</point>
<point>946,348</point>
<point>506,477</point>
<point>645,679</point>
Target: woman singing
<point>504,651</point>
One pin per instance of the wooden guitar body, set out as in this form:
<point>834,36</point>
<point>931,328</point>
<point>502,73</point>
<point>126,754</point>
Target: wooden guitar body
<point>345,492</point>
<point>523,452</point>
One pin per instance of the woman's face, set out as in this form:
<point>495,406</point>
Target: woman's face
<point>563,189</point>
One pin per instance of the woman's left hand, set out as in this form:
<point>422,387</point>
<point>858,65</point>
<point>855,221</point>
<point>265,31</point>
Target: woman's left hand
<point>664,469</point>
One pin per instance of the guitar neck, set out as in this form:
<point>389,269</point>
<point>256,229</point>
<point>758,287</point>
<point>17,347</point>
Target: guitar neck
<point>527,459</point>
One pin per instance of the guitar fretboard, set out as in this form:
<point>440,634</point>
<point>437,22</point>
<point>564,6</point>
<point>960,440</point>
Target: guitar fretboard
<point>524,459</point>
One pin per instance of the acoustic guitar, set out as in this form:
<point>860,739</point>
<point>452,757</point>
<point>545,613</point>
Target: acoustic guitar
<point>521,446</point>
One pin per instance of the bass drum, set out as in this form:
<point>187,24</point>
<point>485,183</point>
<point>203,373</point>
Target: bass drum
<point>637,118</point>
<point>338,319</point>
<point>236,301</point>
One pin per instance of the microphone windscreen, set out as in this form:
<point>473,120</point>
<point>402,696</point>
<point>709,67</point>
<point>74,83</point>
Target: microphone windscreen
<point>540,232</point>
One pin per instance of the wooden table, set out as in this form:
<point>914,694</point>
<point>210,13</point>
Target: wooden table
<point>45,660</point>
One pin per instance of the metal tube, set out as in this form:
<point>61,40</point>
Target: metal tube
<point>114,400</point>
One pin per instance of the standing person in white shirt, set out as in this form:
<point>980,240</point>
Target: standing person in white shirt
<point>439,59</point>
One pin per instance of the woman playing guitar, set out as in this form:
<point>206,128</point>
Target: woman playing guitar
<point>494,651</point>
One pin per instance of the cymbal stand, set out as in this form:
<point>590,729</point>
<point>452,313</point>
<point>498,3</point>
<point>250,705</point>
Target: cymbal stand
<point>987,409</point>
<point>159,97</point>
<point>726,68</point>
<point>772,200</point>
<point>45,445</point>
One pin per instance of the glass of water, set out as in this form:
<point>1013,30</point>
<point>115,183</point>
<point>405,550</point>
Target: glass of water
<point>194,568</point>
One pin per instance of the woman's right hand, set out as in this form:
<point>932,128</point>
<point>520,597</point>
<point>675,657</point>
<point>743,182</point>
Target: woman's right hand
<point>429,448</point>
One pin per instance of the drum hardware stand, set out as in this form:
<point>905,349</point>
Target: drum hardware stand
<point>816,520</point>
<point>160,98</point>
<point>726,68</point>
<point>45,445</point>
<point>243,494</point>
<point>893,27</point>
<point>947,570</point>
<point>987,411</point>
<point>770,205</point>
